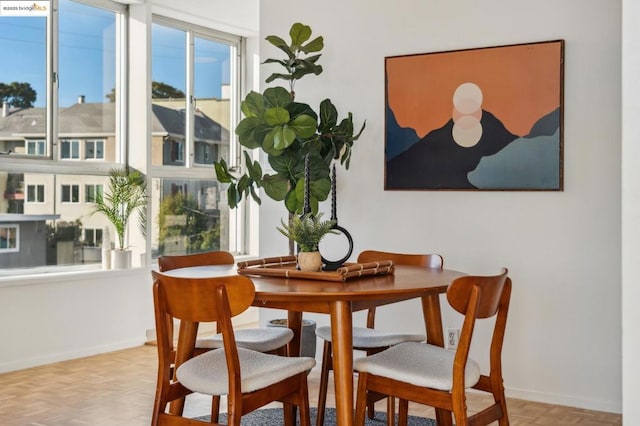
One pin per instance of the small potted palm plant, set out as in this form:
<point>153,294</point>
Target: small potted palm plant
<point>307,231</point>
<point>125,194</point>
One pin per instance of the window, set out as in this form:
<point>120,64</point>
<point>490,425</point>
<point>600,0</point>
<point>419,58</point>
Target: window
<point>36,147</point>
<point>93,237</point>
<point>94,149</point>
<point>73,61</point>
<point>194,85</point>
<point>69,150</point>
<point>68,62</point>
<point>9,238</point>
<point>91,192</point>
<point>35,193</point>
<point>70,194</point>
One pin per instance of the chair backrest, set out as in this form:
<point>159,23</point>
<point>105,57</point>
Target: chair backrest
<point>478,297</point>
<point>167,263</point>
<point>425,260</point>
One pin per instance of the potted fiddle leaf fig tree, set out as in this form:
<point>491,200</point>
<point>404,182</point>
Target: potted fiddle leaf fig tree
<point>287,130</point>
<point>125,195</point>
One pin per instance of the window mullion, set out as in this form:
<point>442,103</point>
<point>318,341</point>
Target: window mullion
<point>189,107</point>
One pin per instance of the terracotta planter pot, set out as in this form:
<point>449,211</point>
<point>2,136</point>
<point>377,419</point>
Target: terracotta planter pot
<point>310,261</point>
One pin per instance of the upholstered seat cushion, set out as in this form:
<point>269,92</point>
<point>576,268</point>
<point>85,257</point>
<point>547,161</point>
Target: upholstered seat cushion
<point>420,364</point>
<point>364,337</point>
<point>207,373</point>
<point>261,339</point>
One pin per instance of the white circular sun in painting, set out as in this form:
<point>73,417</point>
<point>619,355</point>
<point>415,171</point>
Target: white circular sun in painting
<point>467,112</point>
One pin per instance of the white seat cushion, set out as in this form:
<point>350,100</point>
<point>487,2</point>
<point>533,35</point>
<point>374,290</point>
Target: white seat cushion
<point>261,339</point>
<point>364,337</point>
<point>420,364</point>
<point>207,373</point>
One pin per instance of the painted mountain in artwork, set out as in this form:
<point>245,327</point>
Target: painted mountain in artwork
<point>437,162</point>
<point>398,139</point>
<point>531,162</point>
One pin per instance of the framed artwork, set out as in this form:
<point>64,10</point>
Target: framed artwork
<point>476,119</point>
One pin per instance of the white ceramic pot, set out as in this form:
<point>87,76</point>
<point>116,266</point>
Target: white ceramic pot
<point>120,259</point>
<point>310,261</point>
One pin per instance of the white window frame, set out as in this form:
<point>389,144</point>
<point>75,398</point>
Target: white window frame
<point>95,143</point>
<point>71,188</point>
<point>36,186</point>
<point>16,229</point>
<point>37,144</point>
<point>73,143</point>
<point>239,221</point>
<point>95,187</point>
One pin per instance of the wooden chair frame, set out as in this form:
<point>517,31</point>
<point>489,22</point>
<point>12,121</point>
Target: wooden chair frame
<point>195,300</point>
<point>475,297</point>
<point>424,260</point>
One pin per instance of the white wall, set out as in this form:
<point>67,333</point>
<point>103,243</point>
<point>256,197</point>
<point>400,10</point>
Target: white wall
<point>630,210</point>
<point>563,342</point>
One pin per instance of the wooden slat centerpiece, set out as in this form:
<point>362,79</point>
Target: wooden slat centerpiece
<point>285,266</point>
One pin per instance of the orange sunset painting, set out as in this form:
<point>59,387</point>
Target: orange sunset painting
<point>477,119</point>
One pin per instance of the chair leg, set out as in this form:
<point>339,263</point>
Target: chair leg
<point>324,382</point>
<point>289,414</point>
<point>403,412</point>
<point>391,408</point>
<point>215,408</point>
<point>361,399</point>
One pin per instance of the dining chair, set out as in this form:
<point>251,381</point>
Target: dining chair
<point>368,338</point>
<point>250,379</point>
<point>439,377</point>
<point>262,339</point>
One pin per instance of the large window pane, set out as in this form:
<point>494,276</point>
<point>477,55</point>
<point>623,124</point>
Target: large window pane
<point>23,82</point>
<point>189,216</point>
<point>168,92</point>
<point>212,90</point>
<point>87,88</point>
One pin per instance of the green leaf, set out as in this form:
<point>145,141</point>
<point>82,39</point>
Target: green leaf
<point>276,116</point>
<point>315,45</point>
<point>277,97</point>
<point>283,136</point>
<point>253,104</point>
<point>280,44</point>
<point>328,115</point>
<point>275,186</point>
<point>222,172</point>
<point>246,131</point>
<point>232,196</point>
<point>255,196</point>
<point>285,164</point>
<point>275,76</point>
<point>253,167</point>
<point>296,108</point>
<point>291,202</point>
<point>303,126</point>
<point>299,33</point>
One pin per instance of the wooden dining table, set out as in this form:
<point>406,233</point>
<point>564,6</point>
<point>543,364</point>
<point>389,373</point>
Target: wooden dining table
<point>339,300</point>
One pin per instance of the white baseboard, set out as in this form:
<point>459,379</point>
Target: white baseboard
<point>65,356</point>
<point>567,400</point>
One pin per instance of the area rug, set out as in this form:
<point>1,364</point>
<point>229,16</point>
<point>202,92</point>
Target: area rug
<point>273,417</point>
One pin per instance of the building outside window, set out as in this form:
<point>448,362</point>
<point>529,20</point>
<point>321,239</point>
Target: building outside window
<point>92,237</point>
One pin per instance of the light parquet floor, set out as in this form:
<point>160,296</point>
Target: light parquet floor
<point>117,389</point>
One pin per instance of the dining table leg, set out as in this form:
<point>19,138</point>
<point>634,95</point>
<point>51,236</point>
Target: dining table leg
<point>342,343</point>
<point>435,336</point>
<point>294,322</point>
